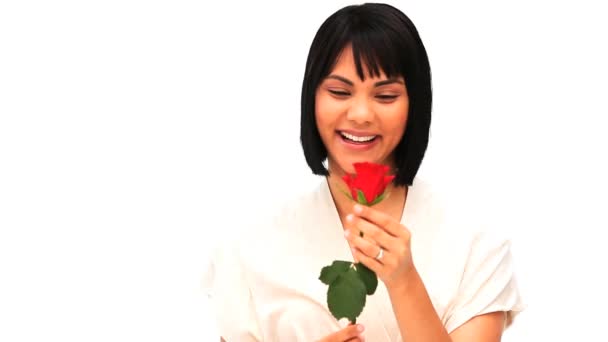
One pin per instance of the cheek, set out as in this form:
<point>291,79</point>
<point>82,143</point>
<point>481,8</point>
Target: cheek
<point>325,113</point>
<point>397,121</point>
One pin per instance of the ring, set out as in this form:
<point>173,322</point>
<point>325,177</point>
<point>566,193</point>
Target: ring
<point>380,254</point>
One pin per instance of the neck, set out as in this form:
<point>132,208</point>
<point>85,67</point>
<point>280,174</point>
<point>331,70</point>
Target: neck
<point>392,204</point>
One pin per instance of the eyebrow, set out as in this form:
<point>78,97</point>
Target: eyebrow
<point>377,84</point>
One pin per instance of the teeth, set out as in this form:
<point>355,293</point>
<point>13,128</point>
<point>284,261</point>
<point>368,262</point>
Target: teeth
<point>356,138</point>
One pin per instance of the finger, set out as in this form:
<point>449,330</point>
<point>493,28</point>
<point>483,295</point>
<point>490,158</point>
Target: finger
<point>357,339</point>
<point>350,332</point>
<point>371,263</point>
<point>372,232</point>
<point>380,219</point>
<point>369,248</point>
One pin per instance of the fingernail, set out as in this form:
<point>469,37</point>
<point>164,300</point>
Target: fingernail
<point>360,328</point>
<point>346,233</point>
<point>350,217</point>
<point>358,209</point>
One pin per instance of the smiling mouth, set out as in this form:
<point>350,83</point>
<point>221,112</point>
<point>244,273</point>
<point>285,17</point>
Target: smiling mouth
<point>353,139</point>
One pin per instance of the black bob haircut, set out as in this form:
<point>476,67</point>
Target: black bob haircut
<point>386,40</point>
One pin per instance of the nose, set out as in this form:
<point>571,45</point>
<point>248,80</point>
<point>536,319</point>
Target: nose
<point>360,111</point>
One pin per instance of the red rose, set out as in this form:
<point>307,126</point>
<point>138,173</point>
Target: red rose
<point>370,178</point>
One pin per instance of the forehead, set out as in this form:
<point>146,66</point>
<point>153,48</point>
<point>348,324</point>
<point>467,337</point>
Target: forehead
<point>345,65</point>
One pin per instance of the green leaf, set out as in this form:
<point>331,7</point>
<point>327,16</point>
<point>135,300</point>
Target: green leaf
<point>378,199</point>
<point>361,197</point>
<point>368,277</point>
<point>330,273</point>
<point>346,296</point>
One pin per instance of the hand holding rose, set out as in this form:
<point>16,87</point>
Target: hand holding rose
<point>380,231</point>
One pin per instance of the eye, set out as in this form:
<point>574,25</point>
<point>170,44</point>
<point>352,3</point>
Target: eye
<point>339,93</point>
<point>387,98</point>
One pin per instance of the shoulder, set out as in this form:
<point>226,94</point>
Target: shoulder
<point>454,227</point>
<point>429,199</point>
<point>470,247</point>
<point>430,213</point>
<point>463,253</point>
<point>280,221</point>
<point>295,207</point>
<point>465,215</point>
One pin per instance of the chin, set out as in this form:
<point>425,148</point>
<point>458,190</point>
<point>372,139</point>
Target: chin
<point>348,168</point>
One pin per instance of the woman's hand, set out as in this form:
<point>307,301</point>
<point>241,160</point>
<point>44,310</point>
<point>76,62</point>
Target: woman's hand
<point>380,231</point>
<point>352,333</point>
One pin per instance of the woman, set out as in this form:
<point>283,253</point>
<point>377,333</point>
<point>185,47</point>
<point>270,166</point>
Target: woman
<point>366,97</point>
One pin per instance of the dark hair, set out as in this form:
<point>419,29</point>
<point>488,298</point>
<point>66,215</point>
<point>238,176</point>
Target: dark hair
<point>386,40</point>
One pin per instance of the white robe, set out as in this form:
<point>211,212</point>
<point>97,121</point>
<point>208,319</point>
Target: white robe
<point>263,285</point>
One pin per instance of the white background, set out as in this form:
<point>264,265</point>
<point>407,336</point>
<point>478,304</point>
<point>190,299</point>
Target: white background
<point>134,133</point>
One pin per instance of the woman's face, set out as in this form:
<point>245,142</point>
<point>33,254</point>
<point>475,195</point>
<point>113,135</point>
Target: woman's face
<point>359,121</point>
